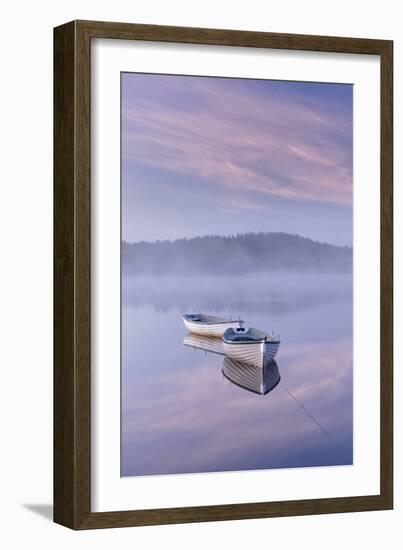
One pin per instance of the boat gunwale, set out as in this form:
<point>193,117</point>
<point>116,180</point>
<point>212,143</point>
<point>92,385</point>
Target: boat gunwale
<point>264,340</point>
<point>222,322</point>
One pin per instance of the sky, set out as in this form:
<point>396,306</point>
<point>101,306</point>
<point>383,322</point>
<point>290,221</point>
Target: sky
<point>208,155</point>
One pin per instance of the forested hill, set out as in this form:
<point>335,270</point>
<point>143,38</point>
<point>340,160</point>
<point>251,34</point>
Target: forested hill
<point>238,254</point>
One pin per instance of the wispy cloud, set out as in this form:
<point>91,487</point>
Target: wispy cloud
<point>236,135</point>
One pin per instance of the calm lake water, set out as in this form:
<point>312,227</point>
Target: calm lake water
<point>180,414</point>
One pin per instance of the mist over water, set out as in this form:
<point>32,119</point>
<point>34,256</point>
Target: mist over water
<point>271,293</point>
<point>180,414</point>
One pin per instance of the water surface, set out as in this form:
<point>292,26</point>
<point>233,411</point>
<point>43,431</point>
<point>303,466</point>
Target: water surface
<point>181,414</point>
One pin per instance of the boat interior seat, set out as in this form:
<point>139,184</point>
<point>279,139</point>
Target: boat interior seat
<point>244,335</point>
<point>195,317</point>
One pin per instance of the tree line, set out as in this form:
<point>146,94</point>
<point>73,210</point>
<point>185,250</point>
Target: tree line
<point>236,254</point>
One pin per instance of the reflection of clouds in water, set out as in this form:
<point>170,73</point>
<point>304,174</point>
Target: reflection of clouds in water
<point>180,431</point>
<point>319,368</point>
<point>321,383</point>
<point>281,294</point>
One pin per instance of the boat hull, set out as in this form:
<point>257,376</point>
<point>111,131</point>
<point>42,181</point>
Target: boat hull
<point>206,329</point>
<point>252,353</point>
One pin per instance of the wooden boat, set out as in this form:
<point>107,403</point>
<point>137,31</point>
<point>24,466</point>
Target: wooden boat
<point>250,345</point>
<point>206,343</point>
<point>208,325</point>
<point>250,377</point>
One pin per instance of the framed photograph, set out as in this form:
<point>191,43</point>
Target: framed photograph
<point>222,275</point>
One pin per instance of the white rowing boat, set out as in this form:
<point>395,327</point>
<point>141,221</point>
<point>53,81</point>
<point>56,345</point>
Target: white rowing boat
<point>250,377</point>
<point>208,325</point>
<point>250,345</point>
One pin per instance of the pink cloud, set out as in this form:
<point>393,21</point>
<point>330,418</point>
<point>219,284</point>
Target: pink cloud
<point>236,138</point>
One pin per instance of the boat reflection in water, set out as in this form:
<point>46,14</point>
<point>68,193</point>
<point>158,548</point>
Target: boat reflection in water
<point>261,380</point>
<point>257,379</point>
<point>205,343</point>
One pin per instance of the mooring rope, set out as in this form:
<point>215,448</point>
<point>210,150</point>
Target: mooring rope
<point>322,428</point>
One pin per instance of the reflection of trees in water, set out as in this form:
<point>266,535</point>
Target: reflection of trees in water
<point>254,295</point>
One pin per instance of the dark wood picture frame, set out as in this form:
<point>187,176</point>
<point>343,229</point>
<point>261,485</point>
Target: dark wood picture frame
<point>72,268</point>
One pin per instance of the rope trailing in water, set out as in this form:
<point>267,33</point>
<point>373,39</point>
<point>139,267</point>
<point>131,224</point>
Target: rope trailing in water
<point>322,428</point>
